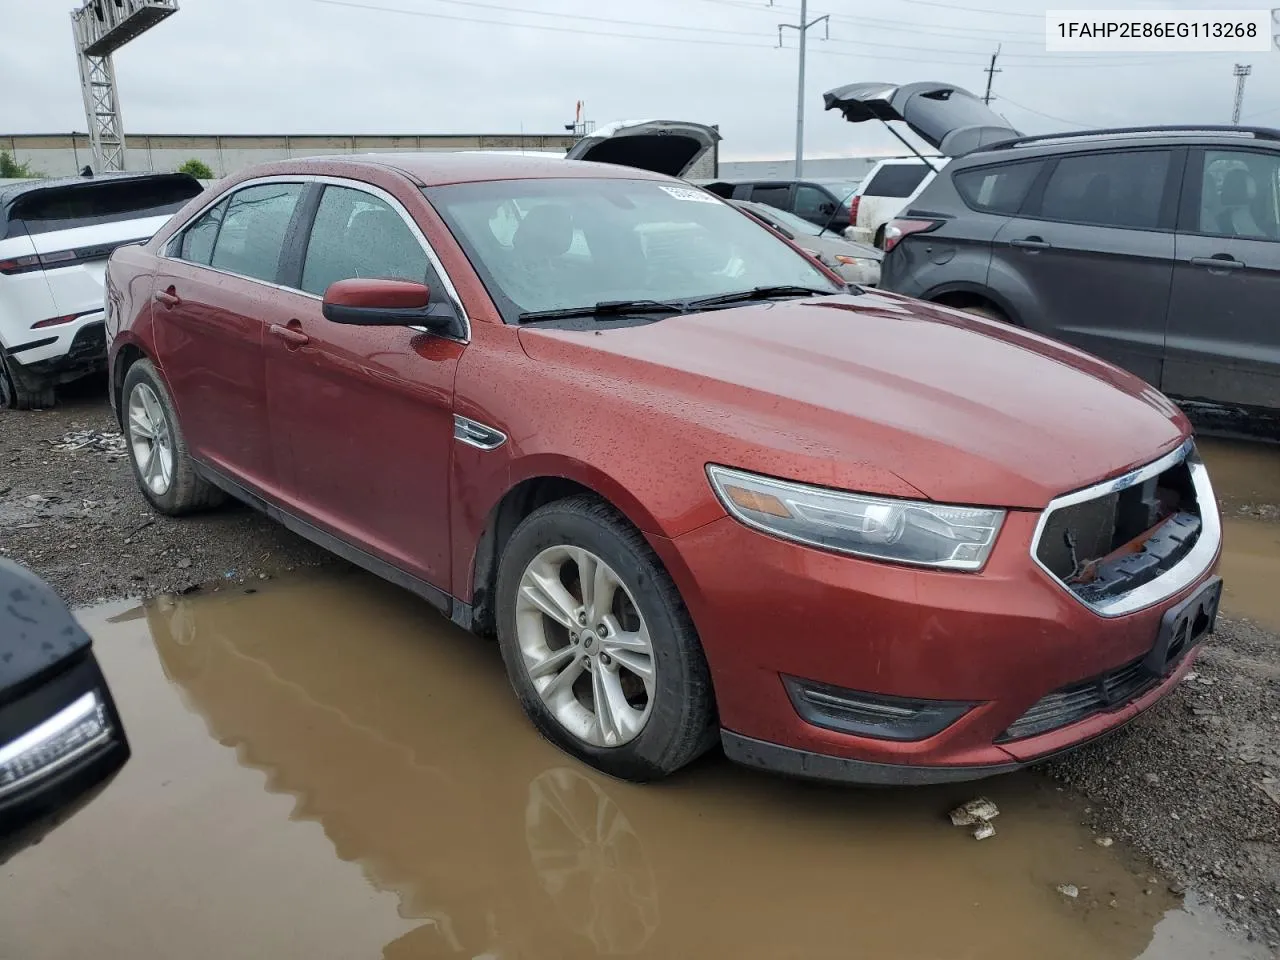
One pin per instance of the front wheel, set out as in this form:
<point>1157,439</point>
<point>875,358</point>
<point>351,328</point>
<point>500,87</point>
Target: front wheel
<point>157,447</point>
<point>598,644</point>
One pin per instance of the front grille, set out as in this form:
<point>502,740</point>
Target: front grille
<point>1106,542</point>
<point>1079,701</point>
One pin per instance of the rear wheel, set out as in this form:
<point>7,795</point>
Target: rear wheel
<point>157,447</point>
<point>17,392</point>
<point>598,644</point>
<point>990,313</point>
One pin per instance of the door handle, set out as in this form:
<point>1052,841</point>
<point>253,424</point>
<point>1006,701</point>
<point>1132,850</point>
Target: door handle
<point>168,297</point>
<point>292,336</point>
<point>1031,243</point>
<point>1220,261</point>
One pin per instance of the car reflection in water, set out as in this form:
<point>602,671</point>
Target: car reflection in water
<point>345,737</point>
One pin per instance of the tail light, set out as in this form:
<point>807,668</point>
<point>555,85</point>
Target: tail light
<point>853,211</point>
<point>899,230</point>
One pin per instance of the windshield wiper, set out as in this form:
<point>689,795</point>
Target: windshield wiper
<point>606,308</point>
<point>760,293</point>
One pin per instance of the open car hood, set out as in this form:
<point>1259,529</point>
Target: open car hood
<point>661,146</point>
<point>948,117</point>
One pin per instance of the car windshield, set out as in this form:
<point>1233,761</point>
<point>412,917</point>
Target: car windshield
<point>557,244</point>
<point>789,221</point>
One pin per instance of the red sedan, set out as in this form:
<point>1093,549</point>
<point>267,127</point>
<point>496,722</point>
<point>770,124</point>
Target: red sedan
<point>698,488</point>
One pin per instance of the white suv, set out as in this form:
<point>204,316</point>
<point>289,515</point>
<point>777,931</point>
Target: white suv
<point>885,192</point>
<point>55,238</point>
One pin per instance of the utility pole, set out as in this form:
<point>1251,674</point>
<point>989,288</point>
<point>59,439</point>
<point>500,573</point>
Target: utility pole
<point>1241,72</point>
<point>802,28</point>
<point>991,72</point>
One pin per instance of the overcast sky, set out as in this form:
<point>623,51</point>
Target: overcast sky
<point>313,66</point>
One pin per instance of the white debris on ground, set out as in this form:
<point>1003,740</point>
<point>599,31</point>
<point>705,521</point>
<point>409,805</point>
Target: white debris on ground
<point>977,814</point>
<point>1069,890</point>
<point>99,441</point>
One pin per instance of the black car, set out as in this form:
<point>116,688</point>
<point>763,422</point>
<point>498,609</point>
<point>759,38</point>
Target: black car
<point>61,739</point>
<point>825,202</point>
<point>1157,248</point>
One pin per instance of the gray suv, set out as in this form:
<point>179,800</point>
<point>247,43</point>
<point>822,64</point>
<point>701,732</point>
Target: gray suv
<point>1155,248</point>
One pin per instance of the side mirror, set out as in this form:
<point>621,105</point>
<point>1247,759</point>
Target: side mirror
<point>388,303</point>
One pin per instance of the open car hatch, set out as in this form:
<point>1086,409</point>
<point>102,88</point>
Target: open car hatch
<point>661,146</point>
<point>949,118</point>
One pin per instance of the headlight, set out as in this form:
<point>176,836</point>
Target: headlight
<point>882,528</point>
<point>47,748</point>
<point>864,262</point>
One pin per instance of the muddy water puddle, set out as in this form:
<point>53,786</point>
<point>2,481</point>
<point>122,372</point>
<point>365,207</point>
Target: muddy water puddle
<point>328,769</point>
<point>1246,479</point>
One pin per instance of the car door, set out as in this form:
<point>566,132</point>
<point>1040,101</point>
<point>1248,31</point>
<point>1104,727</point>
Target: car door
<point>1089,260</point>
<point>1224,335</point>
<point>774,194</point>
<point>363,416</point>
<point>815,204</point>
<point>210,289</point>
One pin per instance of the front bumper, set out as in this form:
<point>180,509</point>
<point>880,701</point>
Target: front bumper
<point>1001,640</point>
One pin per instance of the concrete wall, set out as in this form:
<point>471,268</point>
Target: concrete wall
<point>61,155</point>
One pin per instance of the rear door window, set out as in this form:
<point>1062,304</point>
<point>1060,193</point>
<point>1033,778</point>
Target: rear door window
<point>1240,195</point>
<point>357,234</point>
<point>94,203</point>
<point>1122,188</point>
<point>896,180</point>
<point>997,189</point>
<point>778,195</point>
<point>251,235</point>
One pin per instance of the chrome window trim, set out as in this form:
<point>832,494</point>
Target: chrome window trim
<point>167,252</point>
<point>1189,569</point>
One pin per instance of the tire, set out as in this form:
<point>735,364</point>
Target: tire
<point>182,491</point>
<point>18,393</point>
<point>662,725</point>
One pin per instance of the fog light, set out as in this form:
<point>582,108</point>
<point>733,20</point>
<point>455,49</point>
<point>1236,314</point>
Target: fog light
<point>63,738</point>
<point>871,714</point>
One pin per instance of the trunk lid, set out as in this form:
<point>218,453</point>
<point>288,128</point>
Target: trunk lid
<point>671,147</point>
<point>949,118</point>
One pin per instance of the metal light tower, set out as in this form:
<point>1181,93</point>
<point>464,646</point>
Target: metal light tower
<point>101,27</point>
<point>1242,70</point>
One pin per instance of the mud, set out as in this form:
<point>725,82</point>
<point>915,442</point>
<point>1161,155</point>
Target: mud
<point>329,769</point>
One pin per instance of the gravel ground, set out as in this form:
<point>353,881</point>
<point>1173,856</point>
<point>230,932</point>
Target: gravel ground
<point>1194,784</point>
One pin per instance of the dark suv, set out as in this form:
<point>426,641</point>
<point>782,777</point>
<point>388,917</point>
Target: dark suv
<point>823,202</point>
<point>1155,248</point>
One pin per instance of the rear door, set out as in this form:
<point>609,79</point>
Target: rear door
<point>1224,332</point>
<point>947,117</point>
<point>777,194</point>
<point>1090,259</point>
<point>363,416</point>
<point>213,287</point>
<point>673,147</point>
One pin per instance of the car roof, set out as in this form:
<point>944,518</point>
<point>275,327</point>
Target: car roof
<point>440,168</point>
<point>1127,137</point>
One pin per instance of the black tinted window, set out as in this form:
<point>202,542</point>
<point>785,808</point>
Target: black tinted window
<point>997,189</point>
<point>92,203</point>
<point>896,180</point>
<point>197,240</point>
<point>252,233</point>
<point>779,197</point>
<point>812,202</point>
<point>359,235</point>
<point>1240,196</point>
<point>1118,189</point>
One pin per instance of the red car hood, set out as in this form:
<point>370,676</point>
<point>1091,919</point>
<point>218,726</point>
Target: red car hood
<point>960,408</point>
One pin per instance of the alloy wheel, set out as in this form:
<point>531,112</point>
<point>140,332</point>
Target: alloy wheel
<point>585,645</point>
<point>150,439</point>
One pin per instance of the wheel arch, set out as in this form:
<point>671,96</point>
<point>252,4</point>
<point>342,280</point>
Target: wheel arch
<point>541,482</point>
<point>962,294</point>
<point>123,357</point>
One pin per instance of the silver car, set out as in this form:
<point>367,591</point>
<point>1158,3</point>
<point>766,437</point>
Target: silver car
<point>855,262</point>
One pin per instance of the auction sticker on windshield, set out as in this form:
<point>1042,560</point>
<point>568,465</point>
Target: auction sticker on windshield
<point>684,193</point>
<point>1177,31</point>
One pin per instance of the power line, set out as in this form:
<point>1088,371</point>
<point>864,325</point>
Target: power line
<point>960,9</point>
<point>1048,116</point>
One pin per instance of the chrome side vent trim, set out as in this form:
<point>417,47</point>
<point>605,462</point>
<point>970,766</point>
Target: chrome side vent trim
<point>477,435</point>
